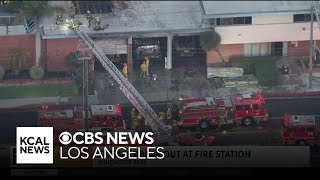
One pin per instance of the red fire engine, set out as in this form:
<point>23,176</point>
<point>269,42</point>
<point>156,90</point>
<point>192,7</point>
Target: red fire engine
<point>101,117</point>
<point>243,109</point>
<point>300,129</point>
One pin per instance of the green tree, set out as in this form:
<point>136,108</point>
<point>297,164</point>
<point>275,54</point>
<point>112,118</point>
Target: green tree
<point>18,59</point>
<point>36,72</point>
<point>34,10</point>
<point>210,40</point>
<point>72,59</point>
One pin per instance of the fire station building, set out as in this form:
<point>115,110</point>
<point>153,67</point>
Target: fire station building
<point>167,31</point>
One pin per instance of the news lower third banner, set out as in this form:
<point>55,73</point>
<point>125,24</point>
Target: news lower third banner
<point>178,156</point>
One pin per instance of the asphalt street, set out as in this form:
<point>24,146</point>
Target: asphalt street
<point>232,136</point>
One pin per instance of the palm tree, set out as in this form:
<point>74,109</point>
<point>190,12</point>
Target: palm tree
<point>18,59</point>
<point>34,10</point>
<point>210,40</point>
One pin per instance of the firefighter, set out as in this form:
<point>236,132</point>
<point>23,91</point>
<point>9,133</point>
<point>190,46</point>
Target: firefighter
<point>221,120</point>
<point>134,119</point>
<point>146,124</point>
<point>89,18</point>
<point>98,22</point>
<point>143,68</point>
<point>72,11</point>
<point>168,116</point>
<point>125,70</point>
<point>162,116</point>
<point>59,19</point>
<point>146,59</point>
<point>175,127</point>
<point>133,114</point>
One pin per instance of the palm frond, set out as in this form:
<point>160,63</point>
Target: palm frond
<point>210,40</point>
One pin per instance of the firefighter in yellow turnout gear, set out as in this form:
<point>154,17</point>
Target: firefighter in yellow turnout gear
<point>134,119</point>
<point>168,116</point>
<point>125,70</point>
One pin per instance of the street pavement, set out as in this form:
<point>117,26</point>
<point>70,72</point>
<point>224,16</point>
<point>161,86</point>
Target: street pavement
<point>233,136</point>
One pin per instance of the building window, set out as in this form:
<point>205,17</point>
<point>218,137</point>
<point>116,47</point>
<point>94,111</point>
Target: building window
<point>234,21</point>
<point>10,21</point>
<point>95,7</point>
<point>303,17</point>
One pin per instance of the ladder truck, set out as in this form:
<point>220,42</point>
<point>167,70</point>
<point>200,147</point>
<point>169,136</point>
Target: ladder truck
<point>158,127</point>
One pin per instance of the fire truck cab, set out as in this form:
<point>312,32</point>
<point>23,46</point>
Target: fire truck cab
<point>243,109</point>
<point>248,108</point>
<point>300,129</point>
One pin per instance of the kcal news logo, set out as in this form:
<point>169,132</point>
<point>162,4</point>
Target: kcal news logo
<point>34,145</point>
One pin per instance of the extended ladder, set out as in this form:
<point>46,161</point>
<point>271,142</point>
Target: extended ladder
<point>129,91</point>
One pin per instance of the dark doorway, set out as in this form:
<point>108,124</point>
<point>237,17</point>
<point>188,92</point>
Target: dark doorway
<point>187,46</point>
<point>277,48</point>
<point>187,52</point>
<point>153,48</point>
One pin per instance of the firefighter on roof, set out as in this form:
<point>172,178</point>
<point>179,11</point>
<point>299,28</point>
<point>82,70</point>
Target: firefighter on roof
<point>89,18</point>
<point>59,19</point>
<point>72,11</point>
<point>98,22</point>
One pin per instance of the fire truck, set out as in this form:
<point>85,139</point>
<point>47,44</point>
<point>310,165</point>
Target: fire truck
<point>101,117</point>
<point>245,109</point>
<point>300,129</point>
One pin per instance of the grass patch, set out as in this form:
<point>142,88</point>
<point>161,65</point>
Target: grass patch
<point>46,90</point>
<point>264,68</point>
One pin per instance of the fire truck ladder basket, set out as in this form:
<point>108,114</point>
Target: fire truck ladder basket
<point>129,91</point>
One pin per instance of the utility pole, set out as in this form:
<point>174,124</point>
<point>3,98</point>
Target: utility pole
<point>85,88</point>
<point>86,94</point>
<point>84,56</point>
<point>311,50</point>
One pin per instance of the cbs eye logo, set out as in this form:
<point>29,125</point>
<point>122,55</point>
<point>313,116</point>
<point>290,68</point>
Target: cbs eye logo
<point>65,138</point>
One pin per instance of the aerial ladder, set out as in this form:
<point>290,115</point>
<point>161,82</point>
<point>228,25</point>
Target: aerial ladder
<point>157,126</point>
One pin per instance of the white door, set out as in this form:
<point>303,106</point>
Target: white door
<point>285,49</point>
